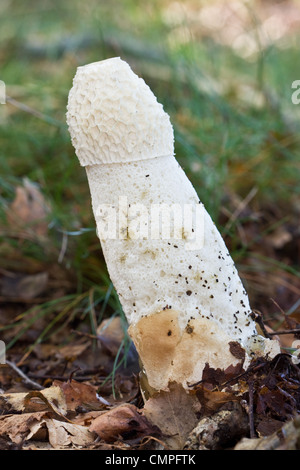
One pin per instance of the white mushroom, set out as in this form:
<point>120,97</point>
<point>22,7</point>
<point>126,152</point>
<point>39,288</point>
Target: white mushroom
<point>178,286</point>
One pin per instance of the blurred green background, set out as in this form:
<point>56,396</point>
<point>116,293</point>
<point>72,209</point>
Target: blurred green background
<point>224,73</point>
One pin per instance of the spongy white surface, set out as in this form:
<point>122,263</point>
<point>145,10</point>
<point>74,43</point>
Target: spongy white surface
<point>113,115</point>
<point>124,138</point>
<point>151,275</point>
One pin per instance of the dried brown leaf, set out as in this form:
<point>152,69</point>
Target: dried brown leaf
<point>125,422</point>
<point>79,394</point>
<point>211,401</point>
<point>72,351</point>
<point>18,427</point>
<point>40,426</point>
<point>173,412</point>
<point>216,377</point>
<point>51,398</point>
<point>63,434</point>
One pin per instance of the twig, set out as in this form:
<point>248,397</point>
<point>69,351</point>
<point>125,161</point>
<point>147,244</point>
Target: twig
<point>87,335</point>
<point>257,317</point>
<point>33,112</point>
<point>289,321</point>
<point>72,374</point>
<point>278,306</point>
<point>92,310</point>
<point>63,249</point>
<point>253,368</point>
<point>285,332</point>
<point>63,378</point>
<point>26,379</point>
<point>23,300</point>
<point>242,205</point>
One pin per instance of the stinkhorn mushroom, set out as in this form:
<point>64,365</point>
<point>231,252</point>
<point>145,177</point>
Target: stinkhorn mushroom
<point>177,283</point>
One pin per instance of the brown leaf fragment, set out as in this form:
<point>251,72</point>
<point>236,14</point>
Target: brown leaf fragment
<point>63,434</point>
<point>276,388</point>
<point>267,426</point>
<point>217,377</point>
<point>71,351</point>
<point>174,413</point>
<point>211,401</point>
<point>125,422</point>
<point>286,439</point>
<point>51,399</point>
<point>40,426</point>
<point>79,394</point>
<point>277,401</point>
<point>232,373</point>
<point>18,427</point>
<point>86,418</point>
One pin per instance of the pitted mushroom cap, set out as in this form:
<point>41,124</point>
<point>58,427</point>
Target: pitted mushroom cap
<point>114,117</point>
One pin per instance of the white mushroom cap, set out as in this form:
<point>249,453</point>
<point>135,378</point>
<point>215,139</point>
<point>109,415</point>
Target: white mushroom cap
<point>113,116</point>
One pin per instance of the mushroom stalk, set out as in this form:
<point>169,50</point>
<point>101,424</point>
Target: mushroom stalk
<point>177,283</point>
